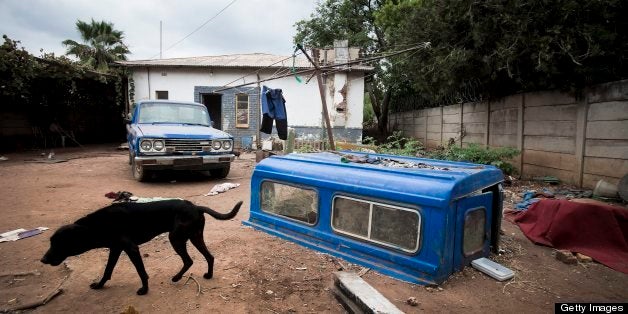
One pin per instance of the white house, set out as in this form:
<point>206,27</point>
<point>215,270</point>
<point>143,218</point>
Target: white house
<point>237,110</point>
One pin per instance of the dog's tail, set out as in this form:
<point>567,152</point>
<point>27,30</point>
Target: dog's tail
<point>221,216</point>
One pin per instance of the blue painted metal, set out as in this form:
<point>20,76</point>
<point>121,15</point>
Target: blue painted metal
<point>441,196</point>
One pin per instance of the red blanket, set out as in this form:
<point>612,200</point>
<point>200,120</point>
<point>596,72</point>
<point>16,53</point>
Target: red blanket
<point>599,231</point>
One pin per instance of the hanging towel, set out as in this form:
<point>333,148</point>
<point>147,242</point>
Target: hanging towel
<point>274,108</point>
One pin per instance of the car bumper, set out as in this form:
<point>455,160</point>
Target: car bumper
<point>184,162</point>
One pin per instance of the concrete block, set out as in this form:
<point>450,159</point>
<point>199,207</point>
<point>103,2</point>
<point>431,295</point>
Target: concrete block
<point>510,114</point>
<point>433,111</point>
<point>451,118</point>
<point>473,139</point>
<point>434,120</point>
<point>474,107</point>
<point>530,171</point>
<point>614,168</point>
<point>590,180</point>
<point>549,159</point>
<point>474,128</point>
<point>608,130</point>
<point>555,128</point>
<point>546,98</point>
<point>447,136</point>
<point>420,120</point>
<point>474,117</point>
<point>551,113</point>
<point>363,295</point>
<point>432,143</point>
<point>608,92</point>
<point>434,128</point>
<point>503,140</point>
<point>453,109</point>
<point>512,101</point>
<point>606,148</point>
<point>550,144</point>
<point>431,136</point>
<point>612,110</point>
<point>451,128</point>
<point>506,127</point>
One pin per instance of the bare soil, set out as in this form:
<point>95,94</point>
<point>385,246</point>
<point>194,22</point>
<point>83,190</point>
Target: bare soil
<point>254,272</point>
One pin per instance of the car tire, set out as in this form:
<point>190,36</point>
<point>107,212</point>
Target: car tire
<point>139,173</point>
<point>220,173</point>
<point>130,158</point>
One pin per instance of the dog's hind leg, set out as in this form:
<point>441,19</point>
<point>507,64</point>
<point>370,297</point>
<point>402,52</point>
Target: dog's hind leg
<point>114,254</point>
<point>133,251</point>
<point>198,242</point>
<point>178,244</point>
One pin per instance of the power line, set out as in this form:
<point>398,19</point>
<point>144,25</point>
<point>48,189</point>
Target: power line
<point>333,66</point>
<point>198,28</point>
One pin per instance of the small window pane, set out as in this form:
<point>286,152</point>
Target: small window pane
<point>162,94</point>
<point>290,201</point>
<point>351,216</point>
<point>474,233</point>
<point>242,111</point>
<point>395,226</point>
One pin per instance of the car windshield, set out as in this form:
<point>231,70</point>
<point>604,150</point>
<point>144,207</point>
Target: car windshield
<point>173,113</point>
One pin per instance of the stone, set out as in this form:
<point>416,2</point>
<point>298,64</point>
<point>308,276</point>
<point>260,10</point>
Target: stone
<point>566,257</point>
<point>583,258</point>
<point>412,301</point>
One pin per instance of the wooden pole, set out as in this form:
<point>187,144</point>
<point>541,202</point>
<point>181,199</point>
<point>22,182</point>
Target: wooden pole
<point>321,90</point>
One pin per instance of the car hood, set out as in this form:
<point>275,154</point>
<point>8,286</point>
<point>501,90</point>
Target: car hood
<point>180,131</point>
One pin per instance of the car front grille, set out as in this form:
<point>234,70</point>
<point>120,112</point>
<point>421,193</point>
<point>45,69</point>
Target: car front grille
<point>184,145</point>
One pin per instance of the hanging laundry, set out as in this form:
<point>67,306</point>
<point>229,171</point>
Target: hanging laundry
<point>274,108</point>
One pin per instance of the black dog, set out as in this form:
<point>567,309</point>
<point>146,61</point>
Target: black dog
<point>124,226</point>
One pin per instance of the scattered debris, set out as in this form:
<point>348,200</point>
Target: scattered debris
<point>45,161</point>
<point>493,269</point>
<point>221,188</point>
<point>301,268</point>
<point>2,158</point>
<point>20,233</point>
<point>357,296</point>
<point>123,146</point>
<point>35,304</point>
<point>547,179</point>
<point>566,257</point>
<point>190,276</point>
<point>269,292</point>
<point>130,310</point>
<point>363,271</point>
<point>412,301</point>
<point>583,258</point>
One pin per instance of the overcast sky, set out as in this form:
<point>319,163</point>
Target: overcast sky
<point>247,26</point>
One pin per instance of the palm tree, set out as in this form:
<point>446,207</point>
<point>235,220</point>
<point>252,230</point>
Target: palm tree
<point>101,45</point>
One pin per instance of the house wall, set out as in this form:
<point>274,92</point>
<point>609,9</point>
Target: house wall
<point>580,141</point>
<point>303,103</point>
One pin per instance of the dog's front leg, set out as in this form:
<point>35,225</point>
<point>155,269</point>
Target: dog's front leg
<point>133,251</point>
<point>114,254</point>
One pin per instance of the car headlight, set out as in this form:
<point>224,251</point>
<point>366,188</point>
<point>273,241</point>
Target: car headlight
<point>226,145</point>
<point>146,145</point>
<point>158,145</point>
<point>216,145</point>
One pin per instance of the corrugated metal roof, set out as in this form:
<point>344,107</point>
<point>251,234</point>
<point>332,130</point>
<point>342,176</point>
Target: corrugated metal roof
<point>252,60</point>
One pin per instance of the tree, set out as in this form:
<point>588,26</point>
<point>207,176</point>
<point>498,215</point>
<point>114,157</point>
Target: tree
<point>353,20</point>
<point>102,44</point>
<point>504,47</point>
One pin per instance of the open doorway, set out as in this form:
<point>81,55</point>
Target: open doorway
<point>213,102</point>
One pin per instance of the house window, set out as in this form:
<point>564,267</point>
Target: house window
<point>161,94</point>
<point>242,111</point>
<point>290,201</point>
<point>474,231</point>
<point>384,224</point>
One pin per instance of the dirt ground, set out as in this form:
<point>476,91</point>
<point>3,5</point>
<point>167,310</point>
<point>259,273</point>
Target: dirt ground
<point>254,272</point>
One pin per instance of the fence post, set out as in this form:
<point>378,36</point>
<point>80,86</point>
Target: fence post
<point>581,135</point>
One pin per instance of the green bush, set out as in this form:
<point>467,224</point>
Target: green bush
<point>396,144</point>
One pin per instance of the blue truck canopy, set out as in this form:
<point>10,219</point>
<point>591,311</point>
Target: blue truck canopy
<point>414,219</point>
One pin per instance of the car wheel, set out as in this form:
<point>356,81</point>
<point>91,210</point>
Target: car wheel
<point>130,158</point>
<point>220,172</point>
<point>139,173</point>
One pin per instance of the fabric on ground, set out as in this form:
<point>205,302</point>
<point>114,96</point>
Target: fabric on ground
<point>599,231</point>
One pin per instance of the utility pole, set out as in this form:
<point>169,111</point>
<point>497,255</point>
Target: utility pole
<point>321,89</point>
<point>160,46</point>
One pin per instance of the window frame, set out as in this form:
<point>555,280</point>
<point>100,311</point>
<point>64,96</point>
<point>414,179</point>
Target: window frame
<point>466,215</point>
<point>299,186</point>
<point>248,111</point>
<point>162,91</point>
<point>371,202</point>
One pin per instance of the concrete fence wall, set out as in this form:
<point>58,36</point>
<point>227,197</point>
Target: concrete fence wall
<point>580,141</point>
